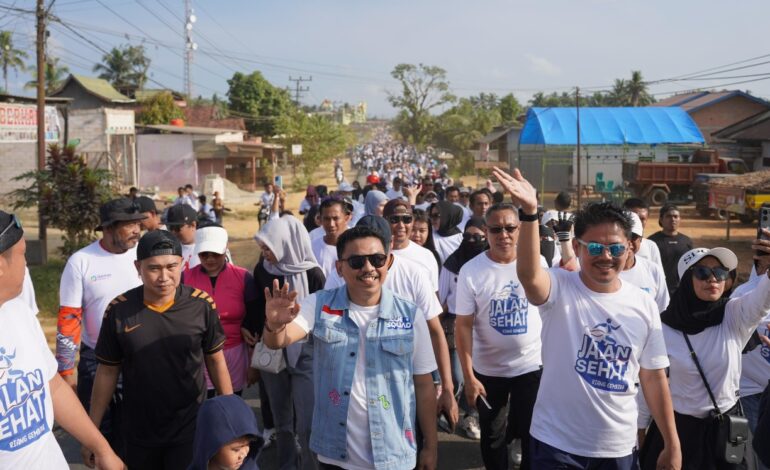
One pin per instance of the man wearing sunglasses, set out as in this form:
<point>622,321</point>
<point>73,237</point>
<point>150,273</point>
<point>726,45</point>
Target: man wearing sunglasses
<point>182,222</point>
<point>372,361</point>
<point>93,277</point>
<point>497,334</point>
<point>599,333</point>
<point>399,214</point>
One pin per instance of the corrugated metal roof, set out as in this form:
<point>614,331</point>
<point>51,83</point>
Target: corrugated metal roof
<point>100,88</point>
<point>697,100</point>
<point>494,135</point>
<point>193,130</point>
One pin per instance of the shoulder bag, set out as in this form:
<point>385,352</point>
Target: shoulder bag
<point>732,430</point>
<point>266,359</point>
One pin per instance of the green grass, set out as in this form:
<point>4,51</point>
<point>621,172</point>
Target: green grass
<point>46,280</point>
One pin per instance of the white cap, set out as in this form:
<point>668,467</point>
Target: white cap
<point>725,256</point>
<point>211,239</point>
<point>549,216</point>
<point>346,187</point>
<point>636,223</point>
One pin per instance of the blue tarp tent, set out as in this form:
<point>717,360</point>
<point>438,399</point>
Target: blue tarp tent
<point>609,126</point>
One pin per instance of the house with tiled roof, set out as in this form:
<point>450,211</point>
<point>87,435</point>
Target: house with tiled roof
<point>713,111</point>
<point>102,120</point>
<point>211,116</point>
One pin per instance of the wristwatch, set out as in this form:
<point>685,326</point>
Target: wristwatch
<point>527,217</point>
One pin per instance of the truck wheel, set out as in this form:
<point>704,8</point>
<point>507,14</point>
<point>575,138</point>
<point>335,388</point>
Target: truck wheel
<point>657,197</point>
<point>721,214</point>
<point>746,218</point>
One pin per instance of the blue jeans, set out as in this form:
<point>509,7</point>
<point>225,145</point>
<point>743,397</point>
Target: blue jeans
<point>750,406</point>
<point>545,456</point>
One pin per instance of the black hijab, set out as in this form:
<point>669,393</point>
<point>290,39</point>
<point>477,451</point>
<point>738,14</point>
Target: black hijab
<point>691,315</point>
<point>467,249</point>
<point>450,216</point>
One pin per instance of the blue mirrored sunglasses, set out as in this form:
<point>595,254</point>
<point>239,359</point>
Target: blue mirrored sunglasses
<point>595,249</point>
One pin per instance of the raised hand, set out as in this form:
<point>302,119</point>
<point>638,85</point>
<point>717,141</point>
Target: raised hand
<point>563,226</point>
<point>521,191</point>
<point>280,305</point>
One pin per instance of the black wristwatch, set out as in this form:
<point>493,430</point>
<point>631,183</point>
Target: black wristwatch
<point>527,217</point>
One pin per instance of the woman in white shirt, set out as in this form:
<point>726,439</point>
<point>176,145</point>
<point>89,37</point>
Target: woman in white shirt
<point>717,328</point>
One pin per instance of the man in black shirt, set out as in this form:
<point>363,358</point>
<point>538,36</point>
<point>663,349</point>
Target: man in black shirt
<point>671,243</point>
<point>158,335</point>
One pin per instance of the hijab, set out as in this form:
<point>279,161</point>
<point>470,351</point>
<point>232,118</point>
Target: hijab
<point>450,215</point>
<point>311,195</point>
<point>373,199</point>
<point>467,249</point>
<point>691,315</point>
<point>290,243</point>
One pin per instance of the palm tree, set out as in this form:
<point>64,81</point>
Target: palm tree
<point>636,90</point>
<point>10,57</point>
<point>619,94</point>
<point>54,75</point>
<point>124,67</point>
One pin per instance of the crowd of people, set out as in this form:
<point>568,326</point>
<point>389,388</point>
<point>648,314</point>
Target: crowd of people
<point>382,314</point>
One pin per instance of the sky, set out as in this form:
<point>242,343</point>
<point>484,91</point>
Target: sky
<point>349,47</point>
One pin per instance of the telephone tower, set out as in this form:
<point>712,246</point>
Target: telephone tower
<point>190,46</point>
<point>298,89</point>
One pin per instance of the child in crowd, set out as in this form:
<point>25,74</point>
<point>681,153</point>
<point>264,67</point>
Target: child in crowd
<point>226,435</point>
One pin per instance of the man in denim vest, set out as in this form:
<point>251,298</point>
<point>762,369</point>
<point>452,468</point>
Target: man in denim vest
<point>372,363</point>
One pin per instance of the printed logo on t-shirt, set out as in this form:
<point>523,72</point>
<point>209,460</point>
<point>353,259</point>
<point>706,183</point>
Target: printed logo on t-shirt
<point>403,323</point>
<point>601,361</point>
<point>508,311</point>
<point>764,350</point>
<point>22,404</point>
<point>100,277</point>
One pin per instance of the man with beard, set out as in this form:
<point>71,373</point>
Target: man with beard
<point>599,334</point>
<point>93,277</point>
<point>671,243</point>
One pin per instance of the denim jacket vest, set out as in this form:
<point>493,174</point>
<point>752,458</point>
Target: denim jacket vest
<point>389,383</point>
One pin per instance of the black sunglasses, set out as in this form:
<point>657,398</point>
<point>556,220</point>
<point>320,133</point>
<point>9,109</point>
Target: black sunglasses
<point>377,260</point>
<point>507,228</point>
<point>703,273</point>
<point>395,219</point>
<point>474,237</point>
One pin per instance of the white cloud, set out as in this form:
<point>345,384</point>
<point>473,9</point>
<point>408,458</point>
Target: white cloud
<point>543,66</point>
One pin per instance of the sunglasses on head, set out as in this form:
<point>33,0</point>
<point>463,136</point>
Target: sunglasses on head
<point>595,249</point>
<point>507,228</point>
<point>15,222</point>
<point>377,260</point>
<point>704,273</point>
<point>395,219</point>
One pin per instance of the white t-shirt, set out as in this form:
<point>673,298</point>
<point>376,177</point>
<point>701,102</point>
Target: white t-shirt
<point>650,278</point>
<point>359,447</point>
<point>26,405</point>
<point>317,233</point>
<point>506,328</point>
<point>445,246</point>
<point>423,257</point>
<point>92,278</point>
<point>447,289</point>
<point>719,351</point>
<point>393,194</point>
<point>28,292</point>
<point>755,368</point>
<point>189,258</point>
<point>325,254</point>
<point>593,347</point>
<point>649,250</point>
<point>407,280</point>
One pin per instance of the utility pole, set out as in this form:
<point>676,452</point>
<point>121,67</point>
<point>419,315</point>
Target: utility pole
<point>189,47</point>
<point>298,88</point>
<point>579,186</point>
<point>41,15</point>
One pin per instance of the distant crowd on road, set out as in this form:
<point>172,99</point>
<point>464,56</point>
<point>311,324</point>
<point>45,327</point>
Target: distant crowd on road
<point>381,314</point>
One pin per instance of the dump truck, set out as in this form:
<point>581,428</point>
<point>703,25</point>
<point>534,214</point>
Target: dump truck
<point>661,182</point>
<point>743,195</point>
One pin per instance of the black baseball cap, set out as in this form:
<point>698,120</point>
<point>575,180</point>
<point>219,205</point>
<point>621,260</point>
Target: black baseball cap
<point>10,231</point>
<point>377,224</point>
<point>118,210</point>
<point>157,243</point>
<point>145,204</point>
<point>181,214</point>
